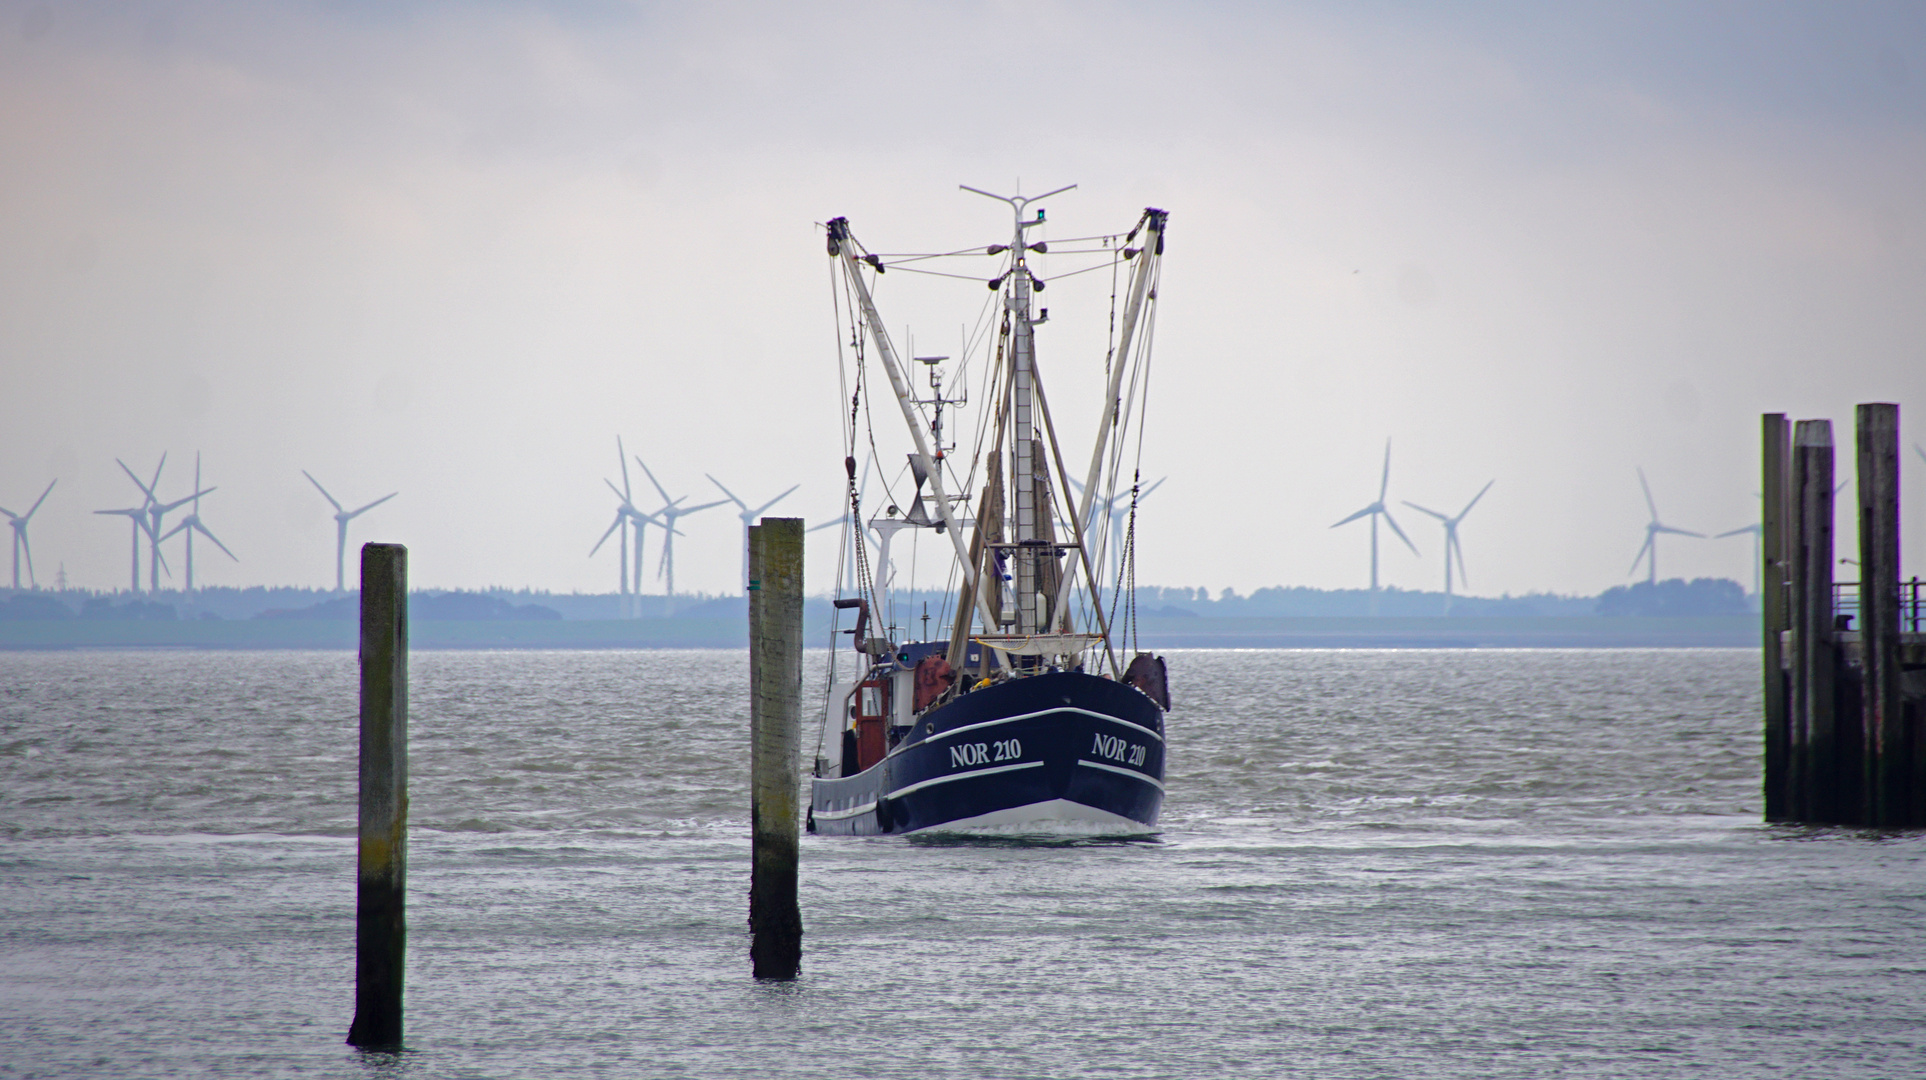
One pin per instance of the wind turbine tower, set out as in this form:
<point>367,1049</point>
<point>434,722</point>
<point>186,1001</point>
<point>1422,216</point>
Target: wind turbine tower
<point>1653,528</point>
<point>749,517</point>
<point>341,519</point>
<point>1375,511</point>
<point>191,524</point>
<point>1452,544</point>
<point>18,523</point>
<point>670,513</point>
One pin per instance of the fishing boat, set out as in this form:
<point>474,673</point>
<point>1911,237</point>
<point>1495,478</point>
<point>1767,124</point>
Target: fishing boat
<point>1025,717</point>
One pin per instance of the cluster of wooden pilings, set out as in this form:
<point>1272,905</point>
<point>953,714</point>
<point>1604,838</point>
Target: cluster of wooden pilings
<point>1845,662</point>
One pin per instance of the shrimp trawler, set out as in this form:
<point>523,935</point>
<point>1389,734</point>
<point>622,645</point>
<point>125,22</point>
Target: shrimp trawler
<point>1025,718</point>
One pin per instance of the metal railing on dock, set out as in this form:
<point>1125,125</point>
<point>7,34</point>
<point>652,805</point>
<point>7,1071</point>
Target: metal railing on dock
<point>1911,596</point>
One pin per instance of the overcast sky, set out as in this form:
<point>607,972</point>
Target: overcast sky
<point>455,250</point>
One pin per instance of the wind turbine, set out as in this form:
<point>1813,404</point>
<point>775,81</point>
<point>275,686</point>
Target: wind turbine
<point>1375,511</point>
<point>1758,538</point>
<point>1116,511</point>
<point>625,513</point>
<point>19,525</point>
<point>191,524</point>
<point>749,517</point>
<point>671,511</point>
<point>1653,528</point>
<point>1452,545</point>
<point>341,519</point>
<point>155,511</point>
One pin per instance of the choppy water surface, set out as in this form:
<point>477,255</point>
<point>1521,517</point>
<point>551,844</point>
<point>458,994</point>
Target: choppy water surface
<point>1397,864</point>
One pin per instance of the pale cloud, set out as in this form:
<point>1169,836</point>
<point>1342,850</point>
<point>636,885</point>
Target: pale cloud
<point>457,250</point>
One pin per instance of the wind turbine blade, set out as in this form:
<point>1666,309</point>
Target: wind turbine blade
<point>1464,578</point>
<point>374,504</point>
<point>771,502</point>
<point>27,550</point>
<point>607,534</point>
<point>154,484</point>
<point>731,494</point>
<point>319,488</point>
<point>158,554</point>
<point>1475,498</point>
<point>1359,514</point>
<point>37,502</point>
<point>202,529</point>
<point>1145,493</point>
<point>1649,504</point>
<point>178,503</point>
<point>617,490</point>
<point>1385,483</point>
<point>1657,528</point>
<point>169,534</point>
<point>641,518</point>
<point>1393,522</point>
<point>622,456</point>
<point>652,479</point>
<point>1422,510</point>
<point>704,506</point>
<point>1920,450</point>
<point>145,489</point>
<point>1640,557</point>
<point>1737,531</point>
<point>827,524</point>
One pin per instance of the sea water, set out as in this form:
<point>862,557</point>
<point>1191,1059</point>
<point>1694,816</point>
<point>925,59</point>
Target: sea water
<point>1371,864</point>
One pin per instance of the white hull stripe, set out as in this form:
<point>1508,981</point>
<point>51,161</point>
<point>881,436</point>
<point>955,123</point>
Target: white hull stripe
<point>838,815</point>
<point>934,780</point>
<point>1029,716</point>
<point>1132,773</point>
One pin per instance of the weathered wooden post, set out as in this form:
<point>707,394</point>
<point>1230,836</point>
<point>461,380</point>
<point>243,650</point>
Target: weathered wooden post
<point>1814,767</point>
<point>1887,800</point>
<point>1772,611</point>
<point>380,931</point>
<point>775,714</point>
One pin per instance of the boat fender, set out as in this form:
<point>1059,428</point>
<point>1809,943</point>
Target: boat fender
<point>1146,672</point>
<point>885,815</point>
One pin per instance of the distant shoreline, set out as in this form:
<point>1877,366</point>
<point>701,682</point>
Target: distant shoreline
<point>1315,632</point>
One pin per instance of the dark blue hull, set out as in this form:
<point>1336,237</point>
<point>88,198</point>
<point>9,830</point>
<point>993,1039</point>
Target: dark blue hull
<point>1060,750</point>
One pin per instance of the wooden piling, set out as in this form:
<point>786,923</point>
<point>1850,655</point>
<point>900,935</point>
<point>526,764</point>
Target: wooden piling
<point>380,931</point>
<point>1775,447</point>
<point>1886,762</point>
<point>1813,760</point>
<point>775,714</point>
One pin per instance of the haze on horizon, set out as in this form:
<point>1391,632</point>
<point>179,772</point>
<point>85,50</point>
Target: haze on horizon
<point>456,250</point>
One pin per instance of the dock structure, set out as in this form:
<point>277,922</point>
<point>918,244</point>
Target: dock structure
<point>1844,661</point>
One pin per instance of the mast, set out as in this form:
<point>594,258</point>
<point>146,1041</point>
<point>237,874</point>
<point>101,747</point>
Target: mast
<point>841,246</point>
<point>1032,614</point>
<point>1147,259</point>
